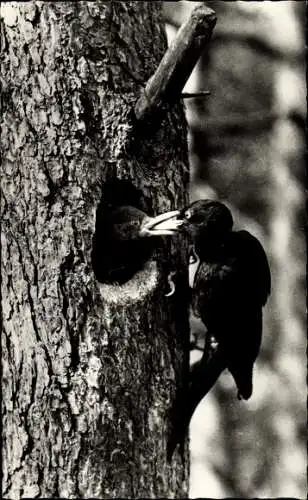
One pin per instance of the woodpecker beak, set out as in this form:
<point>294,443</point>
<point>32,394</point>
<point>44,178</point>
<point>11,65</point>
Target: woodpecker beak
<point>161,225</point>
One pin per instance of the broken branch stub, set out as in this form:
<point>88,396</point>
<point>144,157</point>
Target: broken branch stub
<point>178,62</point>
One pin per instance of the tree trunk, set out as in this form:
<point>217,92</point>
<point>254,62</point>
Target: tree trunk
<point>90,370</point>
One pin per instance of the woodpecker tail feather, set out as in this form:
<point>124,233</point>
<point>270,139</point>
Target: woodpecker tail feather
<point>243,379</point>
<point>203,376</point>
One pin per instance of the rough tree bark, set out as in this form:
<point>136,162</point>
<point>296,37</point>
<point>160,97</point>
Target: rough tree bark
<point>90,371</point>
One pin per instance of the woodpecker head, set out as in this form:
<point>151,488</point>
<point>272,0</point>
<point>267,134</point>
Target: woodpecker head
<point>129,223</point>
<point>206,221</point>
<point>122,243</point>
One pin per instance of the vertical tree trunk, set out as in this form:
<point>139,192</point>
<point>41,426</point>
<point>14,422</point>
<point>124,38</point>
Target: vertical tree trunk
<point>90,371</point>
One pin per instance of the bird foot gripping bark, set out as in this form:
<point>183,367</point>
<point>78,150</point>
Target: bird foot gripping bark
<point>213,344</point>
<point>193,257</point>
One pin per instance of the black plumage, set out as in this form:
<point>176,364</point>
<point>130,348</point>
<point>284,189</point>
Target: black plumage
<point>123,240</point>
<point>231,285</point>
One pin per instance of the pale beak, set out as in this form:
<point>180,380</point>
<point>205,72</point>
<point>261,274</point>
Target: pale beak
<point>161,225</point>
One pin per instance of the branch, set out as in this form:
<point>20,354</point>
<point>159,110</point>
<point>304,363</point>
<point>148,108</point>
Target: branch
<point>178,62</point>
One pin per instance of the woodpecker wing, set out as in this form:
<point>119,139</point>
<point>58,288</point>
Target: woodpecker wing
<point>229,294</point>
<point>241,278</point>
<point>254,264</point>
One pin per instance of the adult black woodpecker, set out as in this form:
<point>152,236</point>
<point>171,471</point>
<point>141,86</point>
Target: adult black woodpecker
<point>231,286</point>
<point>125,239</point>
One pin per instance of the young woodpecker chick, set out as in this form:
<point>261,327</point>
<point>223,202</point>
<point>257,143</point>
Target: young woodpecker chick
<point>124,240</point>
<point>231,285</point>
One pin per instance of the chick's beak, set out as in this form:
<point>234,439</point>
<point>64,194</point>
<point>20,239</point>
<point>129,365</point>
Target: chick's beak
<point>161,225</point>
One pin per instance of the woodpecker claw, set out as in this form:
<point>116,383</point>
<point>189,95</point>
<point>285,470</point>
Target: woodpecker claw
<point>193,258</point>
<point>213,343</point>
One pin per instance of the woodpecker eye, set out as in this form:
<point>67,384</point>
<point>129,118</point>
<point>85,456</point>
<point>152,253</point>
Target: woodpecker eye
<point>187,214</point>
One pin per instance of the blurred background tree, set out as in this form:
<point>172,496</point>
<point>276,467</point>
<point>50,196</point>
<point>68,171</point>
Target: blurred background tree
<point>247,149</point>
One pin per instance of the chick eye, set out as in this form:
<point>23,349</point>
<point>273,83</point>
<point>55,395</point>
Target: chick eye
<point>188,214</point>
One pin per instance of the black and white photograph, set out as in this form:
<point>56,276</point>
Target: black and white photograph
<point>153,252</point>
